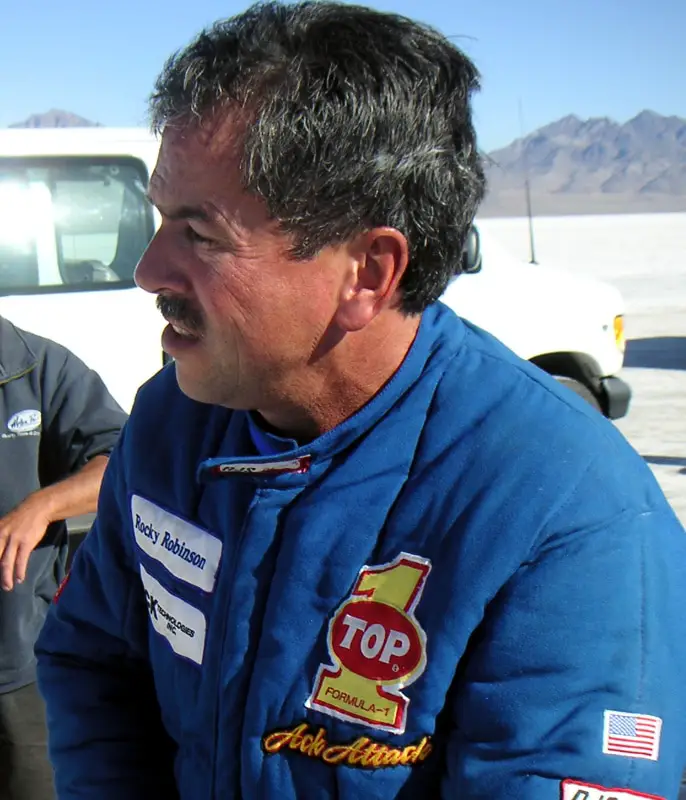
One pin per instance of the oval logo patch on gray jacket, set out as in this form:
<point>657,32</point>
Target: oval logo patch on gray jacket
<point>25,421</point>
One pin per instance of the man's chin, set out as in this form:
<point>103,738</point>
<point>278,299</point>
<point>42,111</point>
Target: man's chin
<point>192,386</point>
<point>197,387</point>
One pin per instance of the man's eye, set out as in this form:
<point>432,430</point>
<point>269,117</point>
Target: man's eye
<point>194,236</point>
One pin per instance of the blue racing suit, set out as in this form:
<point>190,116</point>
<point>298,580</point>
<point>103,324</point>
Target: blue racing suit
<point>472,588</point>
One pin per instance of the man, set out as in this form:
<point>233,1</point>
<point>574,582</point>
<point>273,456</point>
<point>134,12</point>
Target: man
<point>59,424</point>
<point>349,545</point>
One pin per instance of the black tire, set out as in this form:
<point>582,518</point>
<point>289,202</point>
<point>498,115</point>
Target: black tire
<point>580,389</point>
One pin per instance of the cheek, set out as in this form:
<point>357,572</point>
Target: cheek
<point>227,297</point>
<point>254,304</point>
<point>300,313</point>
<point>250,319</point>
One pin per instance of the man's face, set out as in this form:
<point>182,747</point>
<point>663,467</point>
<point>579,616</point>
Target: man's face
<point>246,321</point>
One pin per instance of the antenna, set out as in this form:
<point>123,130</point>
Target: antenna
<point>527,192</point>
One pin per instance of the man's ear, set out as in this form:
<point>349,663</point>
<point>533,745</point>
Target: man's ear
<point>378,260</point>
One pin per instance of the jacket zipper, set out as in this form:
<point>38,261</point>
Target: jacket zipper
<point>227,615</point>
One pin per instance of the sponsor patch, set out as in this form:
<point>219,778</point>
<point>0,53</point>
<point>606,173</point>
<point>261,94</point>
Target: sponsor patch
<point>188,552</point>
<point>364,752</point>
<point>631,735</point>
<point>25,421</point>
<point>296,466</point>
<point>180,623</point>
<point>376,647</point>
<point>573,790</point>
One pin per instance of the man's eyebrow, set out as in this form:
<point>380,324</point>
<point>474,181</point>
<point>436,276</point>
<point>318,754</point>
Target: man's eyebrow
<point>197,213</point>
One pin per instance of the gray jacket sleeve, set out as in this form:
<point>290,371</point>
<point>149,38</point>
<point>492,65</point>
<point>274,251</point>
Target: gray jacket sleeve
<point>81,419</point>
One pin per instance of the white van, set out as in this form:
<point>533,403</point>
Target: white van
<point>74,221</point>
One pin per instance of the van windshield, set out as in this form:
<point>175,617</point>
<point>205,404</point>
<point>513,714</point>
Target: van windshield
<point>71,223</point>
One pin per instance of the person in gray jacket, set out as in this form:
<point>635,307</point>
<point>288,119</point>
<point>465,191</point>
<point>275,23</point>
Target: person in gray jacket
<point>58,423</point>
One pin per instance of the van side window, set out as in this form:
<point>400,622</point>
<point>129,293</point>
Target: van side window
<point>71,223</point>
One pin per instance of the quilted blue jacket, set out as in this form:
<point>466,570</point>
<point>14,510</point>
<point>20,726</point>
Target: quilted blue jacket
<point>473,588</point>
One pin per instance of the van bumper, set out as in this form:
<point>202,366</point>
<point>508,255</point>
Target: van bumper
<point>614,396</point>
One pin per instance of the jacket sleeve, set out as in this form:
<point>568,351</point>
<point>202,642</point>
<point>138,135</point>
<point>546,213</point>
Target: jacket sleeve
<point>576,678</point>
<point>81,419</point>
<point>106,737</point>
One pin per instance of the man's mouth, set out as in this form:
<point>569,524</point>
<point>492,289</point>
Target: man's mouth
<point>181,330</point>
<point>183,318</point>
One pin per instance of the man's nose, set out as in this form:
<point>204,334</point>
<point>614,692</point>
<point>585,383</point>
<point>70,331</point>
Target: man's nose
<point>158,270</point>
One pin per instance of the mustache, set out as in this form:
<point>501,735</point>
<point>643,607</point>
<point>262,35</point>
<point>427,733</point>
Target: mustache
<point>180,310</point>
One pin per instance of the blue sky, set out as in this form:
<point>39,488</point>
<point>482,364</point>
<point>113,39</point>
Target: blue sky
<point>588,57</point>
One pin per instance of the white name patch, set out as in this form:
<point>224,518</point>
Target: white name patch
<point>571,790</point>
<point>181,624</point>
<point>188,552</point>
<point>295,465</point>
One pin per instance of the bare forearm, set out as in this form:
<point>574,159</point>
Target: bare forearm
<point>75,495</point>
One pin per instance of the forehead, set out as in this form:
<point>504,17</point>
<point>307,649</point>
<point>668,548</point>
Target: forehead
<point>198,175</point>
<point>199,163</point>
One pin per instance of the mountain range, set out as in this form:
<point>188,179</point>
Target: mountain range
<point>573,166</point>
<point>56,118</point>
<point>592,166</point>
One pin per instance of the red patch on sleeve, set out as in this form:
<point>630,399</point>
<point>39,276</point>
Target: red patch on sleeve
<point>575,790</point>
<point>60,588</point>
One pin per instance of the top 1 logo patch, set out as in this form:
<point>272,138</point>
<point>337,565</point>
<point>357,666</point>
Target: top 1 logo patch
<point>377,647</point>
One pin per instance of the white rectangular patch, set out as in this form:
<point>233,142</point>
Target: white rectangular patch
<point>181,624</point>
<point>631,735</point>
<point>188,552</point>
<point>571,790</point>
<point>280,467</point>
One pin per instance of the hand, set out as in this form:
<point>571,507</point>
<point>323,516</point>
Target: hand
<point>20,531</point>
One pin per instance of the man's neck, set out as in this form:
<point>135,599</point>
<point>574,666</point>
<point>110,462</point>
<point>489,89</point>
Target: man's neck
<point>342,382</point>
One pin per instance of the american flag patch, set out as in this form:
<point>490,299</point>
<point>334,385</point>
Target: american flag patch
<point>631,735</point>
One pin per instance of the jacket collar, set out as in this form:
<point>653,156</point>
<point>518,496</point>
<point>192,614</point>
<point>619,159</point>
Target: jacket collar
<point>16,355</point>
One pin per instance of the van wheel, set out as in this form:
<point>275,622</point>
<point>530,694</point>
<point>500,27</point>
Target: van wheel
<point>583,391</point>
